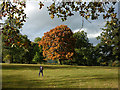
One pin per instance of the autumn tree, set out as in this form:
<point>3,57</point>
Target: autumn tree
<point>58,44</point>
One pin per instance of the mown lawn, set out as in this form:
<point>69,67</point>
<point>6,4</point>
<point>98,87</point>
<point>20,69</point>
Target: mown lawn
<point>58,76</point>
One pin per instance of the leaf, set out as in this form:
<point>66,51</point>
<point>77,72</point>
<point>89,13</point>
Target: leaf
<point>52,16</point>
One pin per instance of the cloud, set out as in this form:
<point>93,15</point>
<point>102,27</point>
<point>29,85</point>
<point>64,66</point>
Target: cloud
<point>90,34</point>
<point>94,41</point>
<point>39,22</point>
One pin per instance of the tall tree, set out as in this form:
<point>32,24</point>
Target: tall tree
<point>84,50</point>
<point>38,56</point>
<point>58,44</point>
<point>110,39</point>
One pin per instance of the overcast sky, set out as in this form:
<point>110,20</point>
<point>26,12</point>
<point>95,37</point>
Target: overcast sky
<point>39,22</point>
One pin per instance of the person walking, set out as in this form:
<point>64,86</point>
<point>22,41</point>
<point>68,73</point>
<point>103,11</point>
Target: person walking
<point>41,70</point>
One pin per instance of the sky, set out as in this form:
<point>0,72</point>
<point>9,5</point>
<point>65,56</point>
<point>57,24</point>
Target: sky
<point>39,22</point>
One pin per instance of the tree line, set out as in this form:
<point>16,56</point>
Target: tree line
<point>62,45</point>
<point>105,53</point>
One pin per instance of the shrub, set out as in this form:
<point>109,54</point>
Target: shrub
<point>7,58</point>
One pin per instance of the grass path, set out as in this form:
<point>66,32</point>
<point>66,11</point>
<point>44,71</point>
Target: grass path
<point>58,76</point>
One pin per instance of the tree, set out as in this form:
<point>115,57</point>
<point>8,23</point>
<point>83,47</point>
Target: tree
<point>81,39</point>
<point>104,54</point>
<point>37,39</point>
<point>14,22</point>
<point>18,53</point>
<point>84,50</point>
<point>110,41</point>
<point>38,57</point>
<point>7,59</point>
<point>58,44</point>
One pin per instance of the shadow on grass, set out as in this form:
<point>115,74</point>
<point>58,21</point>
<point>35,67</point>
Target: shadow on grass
<point>24,67</point>
<point>19,81</point>
<point>89,78</point>
<point>30,67</point>
<point>65,81</point>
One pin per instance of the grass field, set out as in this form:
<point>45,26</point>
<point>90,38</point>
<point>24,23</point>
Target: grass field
<point>58,76</point>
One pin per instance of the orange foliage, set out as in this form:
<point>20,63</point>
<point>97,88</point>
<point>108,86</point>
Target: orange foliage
<point>58,43</point>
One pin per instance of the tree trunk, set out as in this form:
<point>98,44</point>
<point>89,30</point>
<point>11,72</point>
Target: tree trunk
<point>11,58</point>
<point>11,61</point>
<point>60,62</point>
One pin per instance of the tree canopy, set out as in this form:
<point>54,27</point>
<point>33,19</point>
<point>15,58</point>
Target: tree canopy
<point>84,51</point>
<point>14,11</point>
<point>37,39</point>
<point>58,43</point>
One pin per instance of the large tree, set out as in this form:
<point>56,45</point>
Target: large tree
<point>58,44</point>
<point>110,41</point>
<point>84,50</point>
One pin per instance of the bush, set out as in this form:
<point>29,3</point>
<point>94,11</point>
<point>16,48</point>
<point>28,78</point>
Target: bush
<point>116,63</point>
<point>7,59</point>
<point>38,58</point>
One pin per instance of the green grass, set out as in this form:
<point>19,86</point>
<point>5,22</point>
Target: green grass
<point>58,76</point>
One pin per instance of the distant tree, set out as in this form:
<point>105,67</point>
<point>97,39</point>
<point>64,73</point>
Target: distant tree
<point>38,58</point>
<point>38,54</point>
<point>7,58</point>
<point>81,39</point>
<point>58,44</point>
<point>83,49</point>
<point>37,39</point>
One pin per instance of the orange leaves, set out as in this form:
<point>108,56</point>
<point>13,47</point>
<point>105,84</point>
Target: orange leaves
<point>69,55</point>
<point>57,43</point>
<point>59,34</point>
<point>18,43</point>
